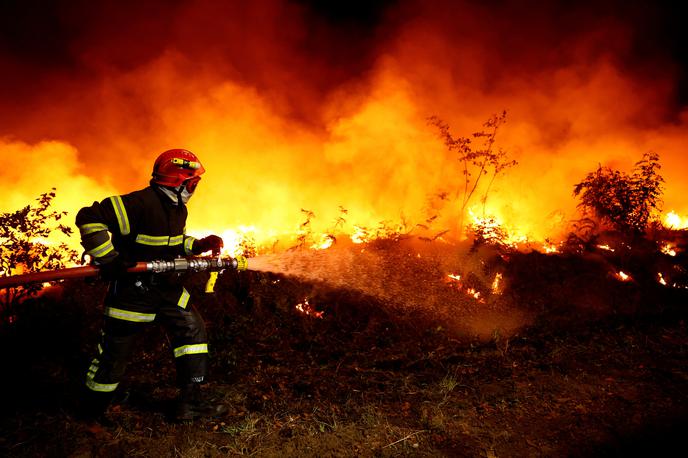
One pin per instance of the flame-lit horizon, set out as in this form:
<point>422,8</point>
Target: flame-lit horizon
<point>282,123</point>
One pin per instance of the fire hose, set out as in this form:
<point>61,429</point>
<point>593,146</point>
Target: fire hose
<point>198,264</point>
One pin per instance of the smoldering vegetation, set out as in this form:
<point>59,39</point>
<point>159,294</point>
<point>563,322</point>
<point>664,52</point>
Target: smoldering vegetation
<point>480,290</point>
<point>319,356</point>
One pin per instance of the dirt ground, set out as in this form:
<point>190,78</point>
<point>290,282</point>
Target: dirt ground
<point>599,369</point>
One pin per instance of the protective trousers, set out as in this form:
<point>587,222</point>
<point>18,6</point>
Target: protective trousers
<point>129,307</point>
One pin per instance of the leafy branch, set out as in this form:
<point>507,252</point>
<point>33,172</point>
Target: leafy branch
<point>475,161</point>
<point>24,245</point>
<point>627,202</point>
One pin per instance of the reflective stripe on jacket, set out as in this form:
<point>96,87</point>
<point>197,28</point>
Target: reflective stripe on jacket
<point>144,225</point>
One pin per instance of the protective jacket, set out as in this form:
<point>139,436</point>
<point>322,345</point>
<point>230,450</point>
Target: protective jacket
<point>145,225</point>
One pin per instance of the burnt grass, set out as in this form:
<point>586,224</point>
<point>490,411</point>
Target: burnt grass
<point>601,369</point>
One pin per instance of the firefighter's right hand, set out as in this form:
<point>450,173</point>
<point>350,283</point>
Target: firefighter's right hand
<point>212,242</point>
<point>115,269</point>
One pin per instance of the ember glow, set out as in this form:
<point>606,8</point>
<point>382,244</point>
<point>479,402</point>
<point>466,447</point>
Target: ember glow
<point>606,248</point>
<point>496,284</point>
<point>550,248</point>
<point>668,248</point>
<point>326,241</point>
<point>472,292</point>
<point>493,229</point>
<point>454,277</point>
<point>359,235</point>
<point>621,275</point>
<point>454,281</point>
<point>307,309</point>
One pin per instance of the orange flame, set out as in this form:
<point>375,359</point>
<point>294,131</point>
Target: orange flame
<point>550,248</point>
<point>606,248</point>
<point>496,284</point>
<point>454,280</point>
<point>673,220</point>
<point>473,292</point>
<point>281,125</point>
<point>497,230</point>
<point>668,248</point>
<point>454,277</point>
<point>307,309</point>
<point>621,275</point>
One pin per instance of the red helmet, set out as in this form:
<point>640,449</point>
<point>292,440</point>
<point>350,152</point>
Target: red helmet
<point>175,166</point>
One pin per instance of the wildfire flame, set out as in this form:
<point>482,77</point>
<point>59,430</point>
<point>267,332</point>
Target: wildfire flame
<point>605,247</point>
<point>550,248</point>
<point>621,275</point>
<point>496,284</point>
<point>307,309</point>
<point>326,241</point>
<point>669,249</point>
<point>664,282</point>
<point>236,240</point>
<point>360,235</point>
<point>673,220</point>
<point>473,292</point>
<point>455,281</point>
<point>494,229</point>
<point>281,125</point>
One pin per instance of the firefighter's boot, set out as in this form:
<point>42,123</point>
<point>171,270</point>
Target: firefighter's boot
<point>92,407</point>
<point>191,405</point>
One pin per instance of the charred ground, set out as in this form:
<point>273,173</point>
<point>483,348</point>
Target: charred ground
<point>598,370</point>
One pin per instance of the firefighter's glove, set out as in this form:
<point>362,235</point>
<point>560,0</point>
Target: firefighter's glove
<point>212,242</point>
<point>115,269</point>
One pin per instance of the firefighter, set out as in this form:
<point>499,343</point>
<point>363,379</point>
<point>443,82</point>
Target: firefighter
<point>145,225</point>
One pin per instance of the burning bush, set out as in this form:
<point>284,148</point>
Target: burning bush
<point>627,202</point>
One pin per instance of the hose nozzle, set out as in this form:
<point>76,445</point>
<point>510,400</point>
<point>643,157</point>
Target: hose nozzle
<point>241,262</point>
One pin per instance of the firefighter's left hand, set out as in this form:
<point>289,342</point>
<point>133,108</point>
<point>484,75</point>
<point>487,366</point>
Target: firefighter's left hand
<point>212,242</point>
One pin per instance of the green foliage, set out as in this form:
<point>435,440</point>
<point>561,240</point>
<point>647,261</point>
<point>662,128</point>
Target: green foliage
<point>627,202</point>
<point>24,247</point>
<point>475,161</point>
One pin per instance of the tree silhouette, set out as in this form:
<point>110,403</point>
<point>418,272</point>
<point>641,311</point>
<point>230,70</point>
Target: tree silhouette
<point>627,202</point>
<point>24,246</point>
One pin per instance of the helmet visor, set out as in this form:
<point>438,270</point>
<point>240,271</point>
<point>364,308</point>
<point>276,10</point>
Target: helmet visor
<point>191,183</point>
